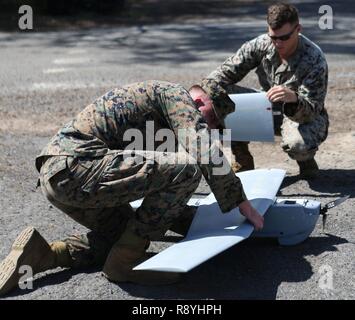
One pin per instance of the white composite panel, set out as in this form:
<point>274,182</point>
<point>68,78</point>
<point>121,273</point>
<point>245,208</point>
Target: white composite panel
<point>212,232</point>
<point>252,119</point>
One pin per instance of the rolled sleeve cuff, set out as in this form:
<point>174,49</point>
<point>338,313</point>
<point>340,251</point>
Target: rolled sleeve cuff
<point>231,195</point>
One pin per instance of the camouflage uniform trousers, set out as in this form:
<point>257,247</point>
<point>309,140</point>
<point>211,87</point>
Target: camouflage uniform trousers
<point>96,193</point>
<point>299,141</point>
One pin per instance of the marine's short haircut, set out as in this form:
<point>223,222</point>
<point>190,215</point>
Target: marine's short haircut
<point>197,87</point>
<point>281,13</point>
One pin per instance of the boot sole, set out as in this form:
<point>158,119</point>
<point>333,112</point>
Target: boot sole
<point>28,241</point>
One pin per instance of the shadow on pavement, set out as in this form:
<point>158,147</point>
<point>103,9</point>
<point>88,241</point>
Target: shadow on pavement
<point>57,277</point>
<point>330,183</point>
<point>251,270</point>
<point>184,42</point>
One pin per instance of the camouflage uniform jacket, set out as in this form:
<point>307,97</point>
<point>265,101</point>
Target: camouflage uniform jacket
<point>306,73</point>
<point>98,130</point>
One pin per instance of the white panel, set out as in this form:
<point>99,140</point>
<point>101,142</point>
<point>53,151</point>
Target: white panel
<point>212,232</point>
<point>252,119</point>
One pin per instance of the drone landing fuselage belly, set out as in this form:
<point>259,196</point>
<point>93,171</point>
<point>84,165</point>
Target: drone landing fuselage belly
<point>291,221</point>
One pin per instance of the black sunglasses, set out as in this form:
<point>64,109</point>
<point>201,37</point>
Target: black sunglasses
<point>284,37</point>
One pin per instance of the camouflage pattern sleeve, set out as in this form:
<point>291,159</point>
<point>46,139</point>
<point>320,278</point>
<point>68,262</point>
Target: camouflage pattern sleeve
<point>236,67</point>
<point>180,112</point>
<point>311,93</point>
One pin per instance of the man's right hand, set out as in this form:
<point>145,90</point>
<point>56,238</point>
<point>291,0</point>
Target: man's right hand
<point>248,211</point>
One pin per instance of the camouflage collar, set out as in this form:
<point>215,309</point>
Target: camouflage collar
<point>292,62</point>
<point>295,58</point>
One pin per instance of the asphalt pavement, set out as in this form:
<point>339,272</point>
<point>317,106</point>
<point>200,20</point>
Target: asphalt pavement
<point>48,77</point>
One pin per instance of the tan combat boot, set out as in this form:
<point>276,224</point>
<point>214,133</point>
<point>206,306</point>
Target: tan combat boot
<point>242,159</point>
<point>32,250</point>
<point>128,252</point>
<point>308,169</point>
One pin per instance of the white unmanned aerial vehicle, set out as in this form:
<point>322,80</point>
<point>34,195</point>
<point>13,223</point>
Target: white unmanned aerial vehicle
<point>291,221</point>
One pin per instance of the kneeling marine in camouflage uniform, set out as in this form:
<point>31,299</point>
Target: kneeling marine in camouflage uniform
<point>294,73</point>
<point>85,172</point>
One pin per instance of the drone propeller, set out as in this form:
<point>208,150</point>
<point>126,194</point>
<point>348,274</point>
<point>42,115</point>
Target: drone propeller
<point>330,205</point>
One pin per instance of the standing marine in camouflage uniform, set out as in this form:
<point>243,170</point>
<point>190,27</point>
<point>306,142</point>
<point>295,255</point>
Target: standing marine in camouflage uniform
<point>84,173</point>
<point>294,73</point>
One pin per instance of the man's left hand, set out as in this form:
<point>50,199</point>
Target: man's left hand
<point>281,94</point>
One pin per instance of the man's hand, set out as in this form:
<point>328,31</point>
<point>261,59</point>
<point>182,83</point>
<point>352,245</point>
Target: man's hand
<point>247,210</point>
<point>281,94</point>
